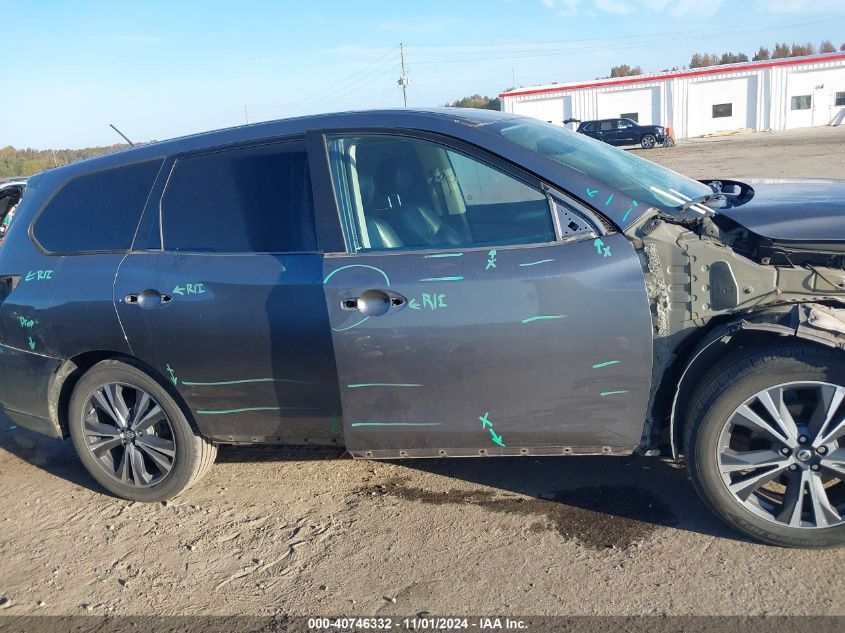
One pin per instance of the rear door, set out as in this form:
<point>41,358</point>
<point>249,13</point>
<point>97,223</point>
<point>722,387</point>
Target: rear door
<point>474,312</point>
<point>222,295</point>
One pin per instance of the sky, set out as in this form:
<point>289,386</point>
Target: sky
<point>159,69</point>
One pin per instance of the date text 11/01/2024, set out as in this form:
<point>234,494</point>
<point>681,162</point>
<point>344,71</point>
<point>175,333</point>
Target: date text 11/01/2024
<point>417,623</point>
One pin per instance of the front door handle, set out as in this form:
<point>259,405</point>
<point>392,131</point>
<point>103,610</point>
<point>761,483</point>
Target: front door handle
<point>148,299</point>
<point>373,302</point>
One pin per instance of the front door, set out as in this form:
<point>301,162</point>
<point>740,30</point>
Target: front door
<point>465,321</point>
<point>231,310</point>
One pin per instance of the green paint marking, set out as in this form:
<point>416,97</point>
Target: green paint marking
<point>245,381</point>
<point>413,304</point>
<point>442,279</point>
<point>484,421</point>
<point>605,364</point>
<point>491,259</point>
<point>31,343</point>
<point>383,384</point>
<point>542,261</point>
<point>343,329</point>
<point>178,290</point>
<point>172,374</point>
<point>496,438</point>
<point>544,317</point>
<point>434,301</point>
<point>38,275</point>
<point>395,424</point>
<point>608,200</point>
<point>605,394</point>
<point>444,255</point>
<point>378,270</point>
<point>631,208</point>
<point>245,409</point>
<point>27,323</point>
<point>334,429</point>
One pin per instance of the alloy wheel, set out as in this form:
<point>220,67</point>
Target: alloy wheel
<point>129,435</point>
<point>781,454</point>
<point>648,141</point>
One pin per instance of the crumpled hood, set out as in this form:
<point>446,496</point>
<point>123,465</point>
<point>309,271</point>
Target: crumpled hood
<point>811,210</point>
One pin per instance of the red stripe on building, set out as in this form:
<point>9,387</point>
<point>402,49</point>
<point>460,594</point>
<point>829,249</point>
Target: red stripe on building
<point>689,73</point>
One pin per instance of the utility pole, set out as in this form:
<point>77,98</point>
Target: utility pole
<point>403,80</point>
<point>246,115</point>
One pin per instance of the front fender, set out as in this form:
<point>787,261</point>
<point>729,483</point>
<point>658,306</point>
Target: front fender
<point>809,321</point>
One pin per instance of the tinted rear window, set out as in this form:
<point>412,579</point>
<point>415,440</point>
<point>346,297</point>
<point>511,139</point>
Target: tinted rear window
<point>97,212</point>
<point>256,199</point>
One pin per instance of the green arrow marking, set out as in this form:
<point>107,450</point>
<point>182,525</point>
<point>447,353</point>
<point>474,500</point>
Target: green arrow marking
<point>592,192</point>
<point>496,438</point>
<point>598,244</point>
<point>413,304</point>
<point>30,276</point>
<point>178,290</point>
<point>484,421</point>
<point>172,374</point>
<point>31,343</point>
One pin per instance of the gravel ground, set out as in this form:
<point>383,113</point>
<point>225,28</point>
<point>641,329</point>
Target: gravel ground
<point>301,532</point>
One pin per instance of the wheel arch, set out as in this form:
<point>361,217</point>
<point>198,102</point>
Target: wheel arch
<point>72,369</point>
<point>790,321</point>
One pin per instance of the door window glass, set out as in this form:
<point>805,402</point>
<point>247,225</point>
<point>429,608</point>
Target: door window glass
<point>802,102</point>
<point>97,212</point>
<point>723,110</point>
<point>398,192</point>
<point>254,199</point>
<point>622,124</point>
<point>605,125</point>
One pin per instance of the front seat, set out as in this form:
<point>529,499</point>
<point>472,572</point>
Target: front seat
<point>416,224</point>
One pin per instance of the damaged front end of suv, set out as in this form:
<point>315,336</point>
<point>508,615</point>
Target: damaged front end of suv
<point>750,262</point>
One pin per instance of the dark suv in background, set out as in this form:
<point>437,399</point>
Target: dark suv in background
<point>624,132</point>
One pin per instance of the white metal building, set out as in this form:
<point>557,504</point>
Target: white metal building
<point>766,95</point>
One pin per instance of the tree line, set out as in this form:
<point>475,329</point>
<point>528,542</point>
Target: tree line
<point>781,50</point>
<point>26,162</point>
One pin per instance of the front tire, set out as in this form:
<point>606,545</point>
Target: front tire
<point>648,141</point>
<point>765,444</point>
<point>132,436</point>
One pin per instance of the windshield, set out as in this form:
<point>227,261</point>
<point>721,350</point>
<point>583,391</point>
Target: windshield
<point>624,171</point>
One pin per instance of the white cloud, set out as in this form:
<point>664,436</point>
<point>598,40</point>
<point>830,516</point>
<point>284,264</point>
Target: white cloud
<point>676,8</point>
<point>563,7</point>
<point>619,7</point>
<point>793,6</point>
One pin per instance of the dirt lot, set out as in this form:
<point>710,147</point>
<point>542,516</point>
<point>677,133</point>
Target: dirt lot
<point>299,532</point>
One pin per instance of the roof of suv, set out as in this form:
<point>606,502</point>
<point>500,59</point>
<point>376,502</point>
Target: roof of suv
<point>402,118</point>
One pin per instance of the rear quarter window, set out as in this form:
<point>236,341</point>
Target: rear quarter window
<point>96,212</point>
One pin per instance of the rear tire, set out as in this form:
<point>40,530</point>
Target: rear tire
<point>132,436</point>
<point>759,417</point>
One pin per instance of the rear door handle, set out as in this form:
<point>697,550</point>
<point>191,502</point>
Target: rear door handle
<point>373,302</point>
<point>148,299</point>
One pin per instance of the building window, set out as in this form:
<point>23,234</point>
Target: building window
<point>840,99</point>
<point>722,110</point>
<point>634,116</point>
<point>802,102</point>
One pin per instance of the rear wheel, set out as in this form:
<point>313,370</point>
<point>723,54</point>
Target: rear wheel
<point>131,435</point>
<point>766,444</point>
<point>648,141</point>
